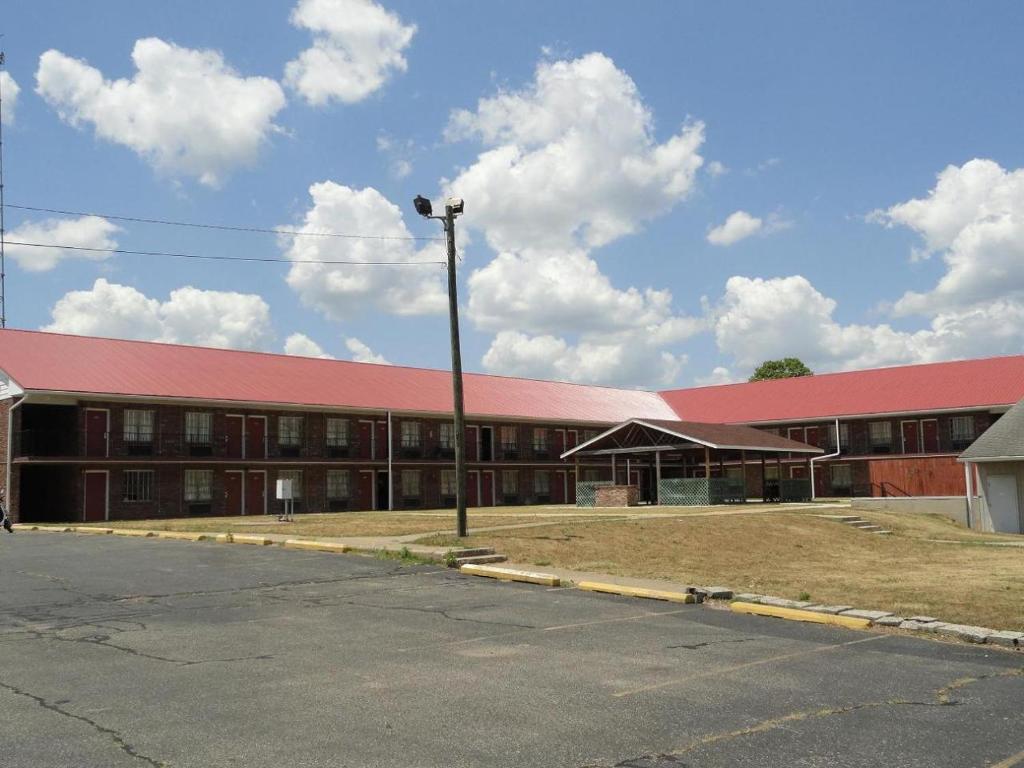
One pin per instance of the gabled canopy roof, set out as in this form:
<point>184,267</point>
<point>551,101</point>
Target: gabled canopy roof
<point>1003,440</point>
<point>661,435</point>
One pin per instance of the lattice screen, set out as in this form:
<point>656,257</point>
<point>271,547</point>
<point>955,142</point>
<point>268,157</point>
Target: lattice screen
<point>586,492</point>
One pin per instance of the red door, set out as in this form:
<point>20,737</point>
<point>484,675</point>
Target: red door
<point>96,432</point>
<point>472,494</point>
<point>571,495</point>
<point>233,443</point>
<point>558,488</point>
<point>95,496</point>
<point>930,434</point>
<point>911,437</point>
<point>473,443</point>
<point>365,440</point>
<point>256,437</point>
<point>559,442</point>
<point>380,443</point>
<point>256,494</point>
<point>232,493</point>
<point>811,436</point>
<point>364,492</point>
<point>572,439</point>
<point>487,489</point>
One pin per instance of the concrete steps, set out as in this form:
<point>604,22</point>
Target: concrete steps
<point>479,560</point>
<point>857,522</point>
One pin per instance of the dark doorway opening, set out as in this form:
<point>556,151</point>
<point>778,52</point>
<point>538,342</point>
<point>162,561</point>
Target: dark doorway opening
<point>47,430</point>
<point>382,490</point>
<point>47,495</point>
<point>486,444</point>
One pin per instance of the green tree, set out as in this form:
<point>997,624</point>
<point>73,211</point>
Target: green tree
<point>786,368</point>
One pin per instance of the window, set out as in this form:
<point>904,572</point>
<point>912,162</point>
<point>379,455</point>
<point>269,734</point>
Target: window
<point>542,483</point>
<point>830,436</point>
<point>446,436</point>
<point>591,475</point>
<point>880,433</point>
<point>448,482</point>
<point>411,432</point>
<point>734,473</point>
<point>540,440</point>
<point>410,483</point>
<point>961,430</point>
<point>295,475</point>
<point>337,484</point>
<point>842,477</point>
<point>590,434</point>
<point>199,428</point>
<point>138,484</point>
<point>337,433</point>
<point>138,426</point>
<point>509,438</point>
<point>289,431</point>
<point>510,482</point>
<point>198,485</point>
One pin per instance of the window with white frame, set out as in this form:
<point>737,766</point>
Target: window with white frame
<point>844,436</point>
<point>880,433</point>
<point>198,485</point>
<point>295,475</point>
<point>448,482</point>
<point>509,437</point>
<point>138,485</point>
<point>961,431</point>
<point>198,428</point>
<point>410,483</point>
<point>338,484</point>
<point>591,475</point>
<point>734,473</point>
<point>771,472</point>
<point>337,433</point>
<point>138,426</point>
<point>289,431</point>
<point>412,432</point>
<point>842,477</point>
<point>446,436</point>
<point>540,439</point>
<point>542,483</point>
<point>510,482</point>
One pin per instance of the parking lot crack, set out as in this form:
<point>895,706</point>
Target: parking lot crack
<point>706,643</point>
<point>110,733</point>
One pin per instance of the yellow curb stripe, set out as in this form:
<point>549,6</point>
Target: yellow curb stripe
<point>316,546</point>
<point>795,614</point>
<point>652,594</point>
<point>183,535</point>
<point>511,574</point>
<point>89,529</point>
<point>133,532</point>
<point>241,538</point>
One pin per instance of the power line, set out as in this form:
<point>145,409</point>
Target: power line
<point>262,259</point>
<point>222,227</point>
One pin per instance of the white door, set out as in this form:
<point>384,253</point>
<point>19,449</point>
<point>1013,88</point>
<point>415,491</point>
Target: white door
<point>1002,503</point>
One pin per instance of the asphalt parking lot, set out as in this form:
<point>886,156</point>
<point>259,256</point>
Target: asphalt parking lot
<point>134,652</point>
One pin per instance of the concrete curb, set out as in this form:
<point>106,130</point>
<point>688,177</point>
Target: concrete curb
<point>90,529</point>
<point>652,594</point>
<point>316,546</point>
<point>511,574</point>
<point>183,536</point>
<point>134,532</point>
<point>242,538</point>
<point>799,614</point>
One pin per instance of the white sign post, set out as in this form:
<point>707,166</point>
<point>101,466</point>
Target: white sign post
<point>285,494</point>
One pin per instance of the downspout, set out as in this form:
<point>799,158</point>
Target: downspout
<point>968,472</point>
<point>839,450</point>
<point>10,452</point>
<point>391,479</point>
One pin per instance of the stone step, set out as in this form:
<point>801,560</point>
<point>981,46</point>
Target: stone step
<point>883,533</point>
<point>479,560</point>
<point>870,528</point>
<point>860,523</point>
<point>473,551</point>
<point>839,518</point>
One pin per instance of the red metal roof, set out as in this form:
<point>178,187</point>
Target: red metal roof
<point>993,381</point>
<point>55,362</point>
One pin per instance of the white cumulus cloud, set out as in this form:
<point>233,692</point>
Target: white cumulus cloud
<point>9,90</point>
<point>81,232</point>
<point>361,353</point>
<point>339,290</point>
<point>973,217</point>
<point>301,345</point>
<point>189,316</point>
<point>185,111</point>
<point>357,46</point>
<point>738,226</point>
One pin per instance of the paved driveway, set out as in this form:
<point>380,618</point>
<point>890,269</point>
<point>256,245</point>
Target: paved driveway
<point>121,652</point>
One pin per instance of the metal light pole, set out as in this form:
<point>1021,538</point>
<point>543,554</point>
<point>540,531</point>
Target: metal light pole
<point>453,207</point>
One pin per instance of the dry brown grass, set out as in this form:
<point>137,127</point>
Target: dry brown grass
<point>792,554</point>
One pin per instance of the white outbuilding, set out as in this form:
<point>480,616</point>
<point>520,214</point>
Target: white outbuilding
<point>994,463</point>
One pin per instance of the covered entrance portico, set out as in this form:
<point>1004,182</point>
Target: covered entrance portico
<point>689,463</point>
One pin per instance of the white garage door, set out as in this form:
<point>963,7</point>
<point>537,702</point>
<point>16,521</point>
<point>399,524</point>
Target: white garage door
<point>1002,503</point>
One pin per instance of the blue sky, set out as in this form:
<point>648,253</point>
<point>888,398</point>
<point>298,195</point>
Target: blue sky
<point>657,195</point>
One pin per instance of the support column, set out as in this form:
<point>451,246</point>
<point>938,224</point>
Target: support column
<point>707,463</point>
<point>970,493</point>
<point>615,479</point>
<point>764,491</point>
<point>743,472</point>
<point>657,476</point>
